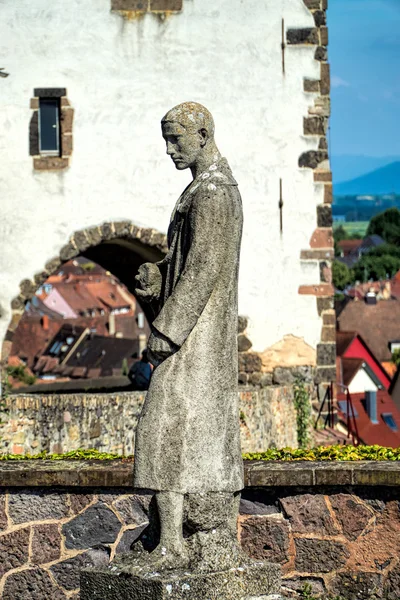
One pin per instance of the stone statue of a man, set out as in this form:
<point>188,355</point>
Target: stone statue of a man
<point>188,440</point>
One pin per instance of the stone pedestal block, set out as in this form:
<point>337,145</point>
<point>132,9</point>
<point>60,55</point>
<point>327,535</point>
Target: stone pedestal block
<point>258,581</point>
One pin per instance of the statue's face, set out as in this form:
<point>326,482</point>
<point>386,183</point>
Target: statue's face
<point>183,146</point>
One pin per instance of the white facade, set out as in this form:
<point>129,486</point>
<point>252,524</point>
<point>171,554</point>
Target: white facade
<point>362,382</point>
<point>121,77</point>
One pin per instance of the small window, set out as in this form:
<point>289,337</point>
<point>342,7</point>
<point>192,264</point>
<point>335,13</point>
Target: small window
<point>390,422</point>
<point>343,408</point>
<point>49,126</point>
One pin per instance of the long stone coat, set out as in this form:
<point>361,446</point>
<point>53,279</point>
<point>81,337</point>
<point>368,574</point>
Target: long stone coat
<point>188,438</point>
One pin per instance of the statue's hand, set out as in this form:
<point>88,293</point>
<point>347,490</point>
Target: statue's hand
<point>149,282</point>
<point>159,348</point>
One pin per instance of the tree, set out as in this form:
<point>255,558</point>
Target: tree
<point>376,267</point>
<point>387,225</point>
<point>341,275</point>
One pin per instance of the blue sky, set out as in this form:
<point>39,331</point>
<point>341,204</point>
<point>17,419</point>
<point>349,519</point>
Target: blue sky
<point>364,52</point>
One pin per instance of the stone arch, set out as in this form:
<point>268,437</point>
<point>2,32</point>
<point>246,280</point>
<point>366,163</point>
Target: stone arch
<point>119,246</point>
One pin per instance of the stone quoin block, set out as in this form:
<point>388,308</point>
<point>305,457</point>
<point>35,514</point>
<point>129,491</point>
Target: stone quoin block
<point>329,318</point>
<point>67,145</point>
<point>80,240</point>
<point>328,193</point>
<point>325,272</point>
<point>68,251</point>
<point>325,254</point>
<point>94,236</point>
<point>323,176</point>
<point>324,215</point>
<point>166,5</point>
<point>325,374</point>
<point>324,304</point>
<point>249,362</point>
<point>324,33</point>
<point>321,53</point>
<point>323,289</point>
<point>67,120</point>
<point>134,5</point>
<point>326,354</point>
<point>314,126</point>
<point>319,18</point>
<point>307,36</point>
<point>313,4</point>
<point>311,85</point>
<point>34,133</point>
<point>322,238</point>
<point>328,334</point>
<point>312,158</point>
<point>323,144</point>
<point>325,79</point>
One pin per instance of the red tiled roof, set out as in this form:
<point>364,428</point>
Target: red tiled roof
<point>343,341</point>
<point>377,324</point>
<point>347,246</point>
<point>108,294</point>
<point>368,432</point>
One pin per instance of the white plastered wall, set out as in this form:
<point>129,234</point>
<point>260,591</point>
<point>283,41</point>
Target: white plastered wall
<point>121,77</point>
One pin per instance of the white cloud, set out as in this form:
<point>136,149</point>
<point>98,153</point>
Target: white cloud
<point>339,82</point>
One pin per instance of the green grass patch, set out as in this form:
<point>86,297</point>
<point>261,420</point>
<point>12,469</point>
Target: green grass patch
<point>353,227</point>
<point>321,453</point>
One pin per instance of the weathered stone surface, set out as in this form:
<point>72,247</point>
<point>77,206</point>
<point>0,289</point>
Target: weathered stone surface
<point>323,176</point>
<point>34,131</point>
<point>324,555</point>
<point>97,525</point>
<point>357,586</point>
<point>265,538</point>
<point>243,378</point>
<point>27,288</point>
<point>288,375</point>
<point>68,251</point>
<point>255,378</point>
<point>303,36</point>
<point>81,241</point>
<point>53,264</point>
<point>94,236</point>
<point>14,550</point>
<point>311,85</point>
<point>392,585</point>
<point>166,5</point>
<point>106,231</point>
<point>325,374</point>
<point>244,343</point>
<point>249,362</point>
<point>27,506</point>
<point>309,514</point>
<point>122,228</point>
<point>321,53</point>
<point>242,324</point>
<point>67,572</point>
<point>134,5</point>
<point>297,584</point>
<point>40,278</point>
<point>323,144</point>
<point>324,33</point>
<point>324,304</point>
<point>266,379</point>
<point>328,193</point>
<point>314,126</point>
<point>325,79</point>
<point>312,158</point>
<point>50,163</point>
<point>46,543</point>
<point>325,271</point>
<point>253,581</point>
<point>3,515</point>
<point>79,501</point>
<point>134,509</point>
<point>320,18</point>
<point>326,354</point>
<point>324,215</point>
<point>247,507</point>
<point>31,584</point>
<point>67,119</point>
<point>128,538</point>
<point>353,516</point>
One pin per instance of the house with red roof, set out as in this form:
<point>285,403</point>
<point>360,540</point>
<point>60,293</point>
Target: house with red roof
<point>365,407</point>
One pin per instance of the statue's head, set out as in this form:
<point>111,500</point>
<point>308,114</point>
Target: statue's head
<point>188,130</point>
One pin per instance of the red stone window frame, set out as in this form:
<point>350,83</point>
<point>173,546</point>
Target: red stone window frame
<point>46,162</point>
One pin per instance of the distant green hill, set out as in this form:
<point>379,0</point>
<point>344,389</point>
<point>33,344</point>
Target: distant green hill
<point>385,180</point>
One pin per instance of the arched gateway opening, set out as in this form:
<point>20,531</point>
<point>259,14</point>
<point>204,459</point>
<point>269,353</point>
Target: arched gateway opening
<point>99,262</point>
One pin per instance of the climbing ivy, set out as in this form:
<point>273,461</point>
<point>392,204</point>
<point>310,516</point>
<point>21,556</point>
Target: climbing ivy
<point>303,412</point>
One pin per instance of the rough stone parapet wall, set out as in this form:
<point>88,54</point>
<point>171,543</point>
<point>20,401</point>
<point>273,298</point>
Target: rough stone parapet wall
<point>63,422</point>
<point>335,526</point>
<point>315,125</point>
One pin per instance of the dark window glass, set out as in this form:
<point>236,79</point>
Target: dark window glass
<point>343,407</point>
<point>390,422</point>
<point>49,126</point>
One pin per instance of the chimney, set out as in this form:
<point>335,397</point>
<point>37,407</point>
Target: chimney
<point>45,322</point>
<point>370,298</point>
<point>371,406</point>
<point>111,324</point>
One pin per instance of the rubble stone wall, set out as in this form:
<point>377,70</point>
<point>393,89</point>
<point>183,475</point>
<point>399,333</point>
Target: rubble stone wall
<point>334,527</point>
<point>62,422</point>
